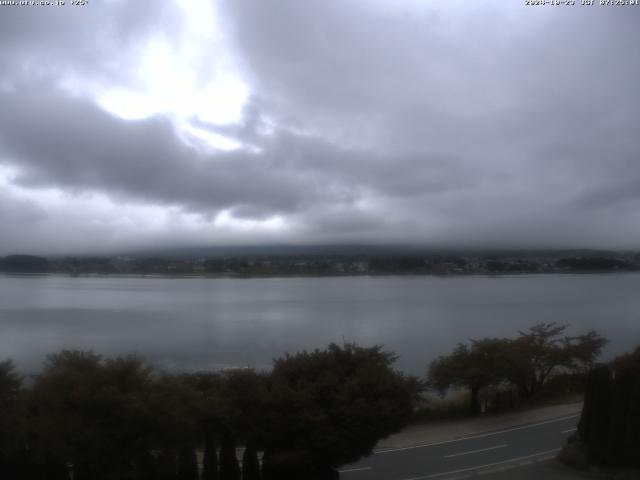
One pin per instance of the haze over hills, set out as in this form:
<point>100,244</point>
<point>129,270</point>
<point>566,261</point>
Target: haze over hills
<point>355,249</point>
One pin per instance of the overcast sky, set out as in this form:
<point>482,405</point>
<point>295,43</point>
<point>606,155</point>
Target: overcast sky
<point>466,123</point>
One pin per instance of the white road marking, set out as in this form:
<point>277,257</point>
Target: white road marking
<point>511,460</point>
<point>497,470</point>
<point>569,430</point>
<point>475,451</point>
<point>354,469</point>
<point>544,459</point>
<point>471,437</point>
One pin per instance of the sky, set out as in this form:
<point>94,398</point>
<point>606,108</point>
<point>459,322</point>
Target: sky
<point>223,122</point>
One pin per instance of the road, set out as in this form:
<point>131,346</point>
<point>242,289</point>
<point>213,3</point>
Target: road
<point>491,455</point>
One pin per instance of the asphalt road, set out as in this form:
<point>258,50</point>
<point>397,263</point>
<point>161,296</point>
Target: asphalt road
<point>492,455</point>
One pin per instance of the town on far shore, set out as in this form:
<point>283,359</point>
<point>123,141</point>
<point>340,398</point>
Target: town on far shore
<point>326,261</point>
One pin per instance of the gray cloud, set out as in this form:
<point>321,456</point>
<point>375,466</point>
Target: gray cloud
<point>91,43</point>
<point>76,145</point>
<point>484,125</point>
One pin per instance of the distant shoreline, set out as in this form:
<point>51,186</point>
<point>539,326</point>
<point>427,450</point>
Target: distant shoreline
<point>329,265</point>
<point>328,275</point>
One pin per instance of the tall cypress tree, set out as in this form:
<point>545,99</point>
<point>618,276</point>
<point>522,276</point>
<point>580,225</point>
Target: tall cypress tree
<point>268,471</point>
<point>229,468</point>
<point>187,464</point>
<point>145,466</point>
<point>210,459</point>
<point>625,425</point>
<point>55,469</point>
<point>610,421</point>
<point>250,464</point>
<point>166,465</point>
<point>594,425</point>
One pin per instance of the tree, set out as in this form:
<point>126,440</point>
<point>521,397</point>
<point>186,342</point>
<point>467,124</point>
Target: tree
<point>250,463</point>
<point>166,465</point>
<point>210,458</point>
<point>229,468</point>
<point>543,350</point>
<point>609,426</point>
<point>187,464</point>
<point>173,410</point>
<point>10,382</point>
<point>594,422</point>
<point>330,407</point>
<point>527,362</point>
<point>474,367</point>
<point>625,421</point>
<point>94,413</point>
<point>11,427</point>
<point>243,396</point>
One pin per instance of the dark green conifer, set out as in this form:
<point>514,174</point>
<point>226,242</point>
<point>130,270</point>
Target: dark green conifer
<point>250,464</point>
<point>595,420</point>
<point>187,464</point>
<point>210,459</point>
<point>166,465</point>
<point>229,468</point>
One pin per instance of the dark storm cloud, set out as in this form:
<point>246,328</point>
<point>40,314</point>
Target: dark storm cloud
<point>467,124</point>
<point>73,144</point>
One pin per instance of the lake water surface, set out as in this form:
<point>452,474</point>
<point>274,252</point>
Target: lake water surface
<point>196,323</point>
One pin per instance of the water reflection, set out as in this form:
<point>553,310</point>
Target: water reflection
<point>215,323</point>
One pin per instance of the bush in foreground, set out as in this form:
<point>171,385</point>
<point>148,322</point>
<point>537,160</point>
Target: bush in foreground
<point>94,418</point>
<point>609,428</point>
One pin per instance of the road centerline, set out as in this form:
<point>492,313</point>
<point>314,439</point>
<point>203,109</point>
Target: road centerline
<point>480,467</point>
<point>479,450</point>
<point>359,469</point>
<point>477,435</point>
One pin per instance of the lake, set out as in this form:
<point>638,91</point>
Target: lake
<point>197,323</point>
